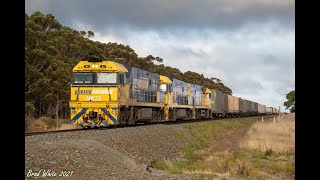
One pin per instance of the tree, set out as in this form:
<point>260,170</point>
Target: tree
<point>90,34</point>
<point>158,59</point>
<point>83,33</point>
<point>290,103</point>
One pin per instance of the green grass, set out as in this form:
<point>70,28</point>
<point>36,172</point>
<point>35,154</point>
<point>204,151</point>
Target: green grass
<point>273,165</point>
<point>203,134</point>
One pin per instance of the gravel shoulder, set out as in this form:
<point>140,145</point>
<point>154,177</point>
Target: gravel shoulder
<point>121,153</point>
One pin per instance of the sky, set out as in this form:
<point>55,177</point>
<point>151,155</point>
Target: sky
<point>248,44</point>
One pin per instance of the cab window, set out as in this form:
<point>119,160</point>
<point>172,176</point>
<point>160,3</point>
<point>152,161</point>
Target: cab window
<point>83,78</point>
<point>106,78</point>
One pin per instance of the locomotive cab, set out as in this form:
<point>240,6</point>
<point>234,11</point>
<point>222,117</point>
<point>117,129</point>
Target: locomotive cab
<point>95,92</point>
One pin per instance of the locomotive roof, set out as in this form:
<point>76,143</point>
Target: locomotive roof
<point>103,66</point>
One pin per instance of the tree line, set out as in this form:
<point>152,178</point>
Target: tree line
<point>52,50</point>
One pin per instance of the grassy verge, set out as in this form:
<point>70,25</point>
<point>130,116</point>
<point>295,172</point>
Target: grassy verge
<point>214,150</point>
<point>277,136</point>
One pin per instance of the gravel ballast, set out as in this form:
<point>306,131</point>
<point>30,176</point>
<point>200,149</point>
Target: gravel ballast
<point>120,153</point>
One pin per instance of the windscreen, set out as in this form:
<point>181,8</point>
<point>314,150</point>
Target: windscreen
<point>83,78</point>
<point>106,78</point>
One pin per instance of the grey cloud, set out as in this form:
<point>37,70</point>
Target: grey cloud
<point>269,59</point>
<point>245,86</point>
<point>155,14</point>
<point>190,52</point>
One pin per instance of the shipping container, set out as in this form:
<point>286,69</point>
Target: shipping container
<point>218,101</point>
<point>225,103</point>
<point>236,104</point>
<point>233,104</point>
<point>212,98</point>
<point>252,106</point>
<point>246,106</point>
<point>241,105</point>
<point>255,107</point>
<point>269,110</point>
<point>261,109</point>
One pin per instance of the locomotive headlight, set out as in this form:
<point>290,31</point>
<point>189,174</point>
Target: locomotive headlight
<point>93,66</point>
<point>96,66</point>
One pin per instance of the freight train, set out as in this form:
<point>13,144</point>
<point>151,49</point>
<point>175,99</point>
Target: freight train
<point>106,93</point>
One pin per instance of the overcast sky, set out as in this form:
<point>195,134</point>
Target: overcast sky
<point>248,44</point>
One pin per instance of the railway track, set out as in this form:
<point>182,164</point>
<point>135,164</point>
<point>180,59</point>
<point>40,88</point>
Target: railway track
<point>266,117</point>
<point>50,132</point>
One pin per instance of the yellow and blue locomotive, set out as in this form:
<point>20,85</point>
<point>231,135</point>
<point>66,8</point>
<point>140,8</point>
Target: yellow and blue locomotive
<point>107,93</point>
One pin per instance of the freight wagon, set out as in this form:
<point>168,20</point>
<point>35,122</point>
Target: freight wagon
<point>268,110</point>
<point>261,109</point>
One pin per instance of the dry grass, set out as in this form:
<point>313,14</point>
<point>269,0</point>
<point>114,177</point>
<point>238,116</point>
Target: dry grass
<point>270,136</point>
<point>48,124</point>
<point>37,125</point>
